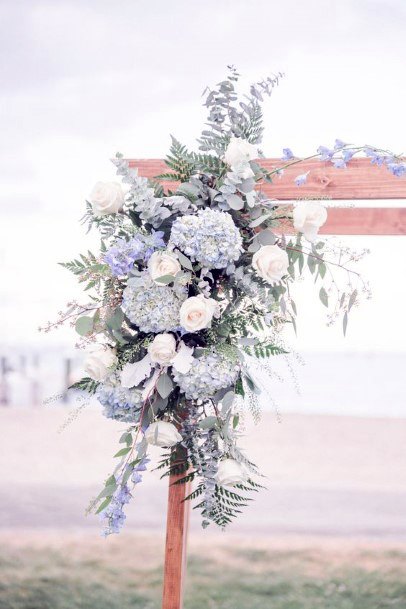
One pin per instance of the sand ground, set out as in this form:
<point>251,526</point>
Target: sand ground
<point>329,477</point>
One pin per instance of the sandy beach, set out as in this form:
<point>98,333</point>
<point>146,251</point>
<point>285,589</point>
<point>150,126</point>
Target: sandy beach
<point>326,476</point>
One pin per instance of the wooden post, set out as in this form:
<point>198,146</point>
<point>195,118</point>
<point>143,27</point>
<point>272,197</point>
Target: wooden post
<point>176,543</point>
<point>360,181</point>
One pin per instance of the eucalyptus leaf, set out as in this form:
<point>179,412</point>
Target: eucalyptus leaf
<point>208,423</point>
<point>164,385</point>
<point>115,321</point>
<point>165,279</point>
<point>104,504</point>
<point>260,220</point>
<point>84,325</point>
<point>228,399</point>
<point>266,237</point>
<point>184,260</point>
<point>345,323</point>
<point>235,202</point>
<point>323,296</point>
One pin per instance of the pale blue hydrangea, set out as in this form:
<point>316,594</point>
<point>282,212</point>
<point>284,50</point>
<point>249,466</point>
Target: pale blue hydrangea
<point>119,403</point>
<point>209,237</point>
<point>152,307</point>
<point>207,375</point>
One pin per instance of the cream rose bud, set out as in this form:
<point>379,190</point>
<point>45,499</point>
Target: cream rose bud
<point>230,473</point>
<point>98,362</point>
<point>162,350</point>
<point>162,433</point>
<point>197,312</point>
<point>308,217</point>
<point>239,151</point>
<point>163,263</point>
<point>271,263</point>
<point>106,198</point>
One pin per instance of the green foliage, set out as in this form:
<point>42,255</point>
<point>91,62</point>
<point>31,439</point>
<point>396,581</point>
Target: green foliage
<point>88,269</point>
<point>184,164</point>
<point>228,502</point>
<point>264,349</point>
<point>85,384</point>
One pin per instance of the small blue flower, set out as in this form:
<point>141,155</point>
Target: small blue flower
<point>398,169</point>
<point>300,180</point>
<point>347,155</point>
<point>287,154</point>
<point>376,158</point>
<point>325,153</point>
<point>339,144</point>
<point>339,163</point>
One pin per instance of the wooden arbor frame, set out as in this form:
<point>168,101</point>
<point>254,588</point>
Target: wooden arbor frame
<point>361,181</point>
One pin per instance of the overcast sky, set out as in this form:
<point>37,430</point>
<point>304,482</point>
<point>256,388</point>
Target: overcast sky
<point>81,80</point>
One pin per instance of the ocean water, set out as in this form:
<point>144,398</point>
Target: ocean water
<point>366,384</point>
<point>353,384</point>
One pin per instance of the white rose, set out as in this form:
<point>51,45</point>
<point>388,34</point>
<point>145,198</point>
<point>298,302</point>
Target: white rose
<point>106,198</point>
<point>243,170</point>
<point>239,152</point>
<point>163,263</point>
<point>271,263</point>
<point>162,433</point>
<point>98,362</point>
<point>308,216</point>
<point>197,312</point>
<point>230,473</point>
<point>162,350</point>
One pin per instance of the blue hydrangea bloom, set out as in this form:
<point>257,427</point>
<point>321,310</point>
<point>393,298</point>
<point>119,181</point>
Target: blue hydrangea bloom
<point>207,375</point>
<point>119,403</point>
<point>210,237</point>
<point>152,307</point>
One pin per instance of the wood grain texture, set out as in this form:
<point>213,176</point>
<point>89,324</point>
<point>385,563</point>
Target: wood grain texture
<point>361,180</point>
<point>176,542</point>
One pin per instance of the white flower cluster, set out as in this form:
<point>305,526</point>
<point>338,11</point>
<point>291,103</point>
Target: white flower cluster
<point>152,307</point>
<point>210,237</point>
<point>206,376</point>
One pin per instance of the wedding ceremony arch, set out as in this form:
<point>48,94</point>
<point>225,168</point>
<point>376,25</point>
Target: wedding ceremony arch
<point>360,181</point>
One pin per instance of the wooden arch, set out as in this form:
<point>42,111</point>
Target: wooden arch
<point>360,181</point>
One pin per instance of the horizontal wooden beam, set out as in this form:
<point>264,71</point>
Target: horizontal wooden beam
<point>365,221</point>
<point>361,180</point>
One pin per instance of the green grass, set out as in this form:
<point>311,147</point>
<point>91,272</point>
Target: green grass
<point>231,578</point>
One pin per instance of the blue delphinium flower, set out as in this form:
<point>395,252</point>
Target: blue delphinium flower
<point>152,242</point>
<point>287,154</point>
<point>398,169</point>
<point>376,158</point>
<point>325,153</point>
<point>339,163</point>
<point>348,154</point>
<point>301,179</point>
<point>339,144</point>
<point>121,256</point>
<point>113,516</point>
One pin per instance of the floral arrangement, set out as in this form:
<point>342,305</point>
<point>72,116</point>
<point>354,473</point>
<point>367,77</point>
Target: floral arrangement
<point>188,297</point>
